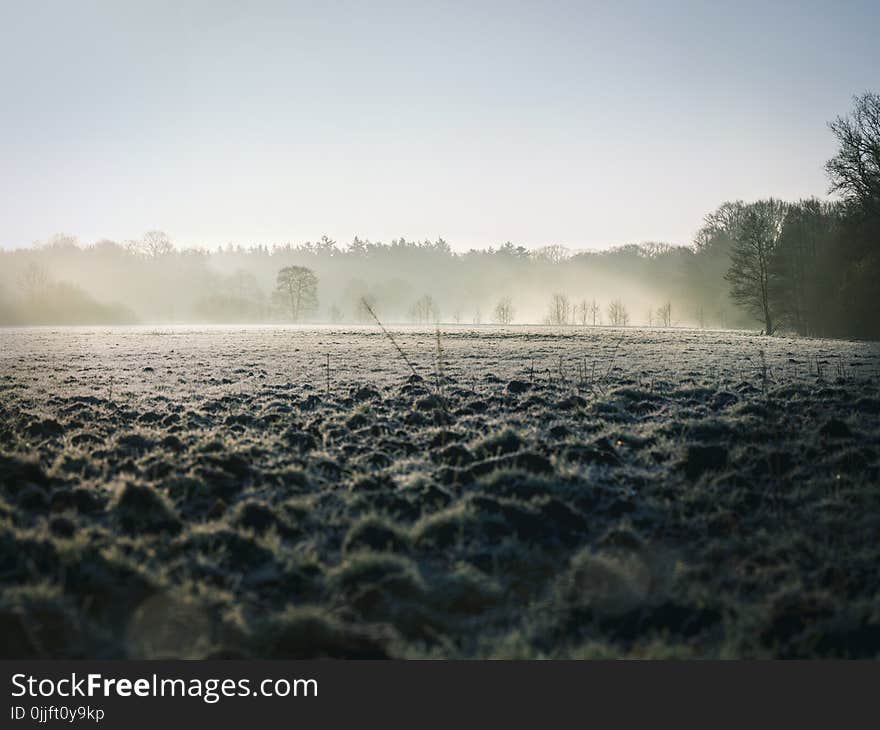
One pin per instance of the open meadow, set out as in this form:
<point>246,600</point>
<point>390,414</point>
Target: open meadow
<point>286,492</point>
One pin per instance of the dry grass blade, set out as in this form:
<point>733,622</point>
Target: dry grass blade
<point>367,306</point>
<point>439,374</point>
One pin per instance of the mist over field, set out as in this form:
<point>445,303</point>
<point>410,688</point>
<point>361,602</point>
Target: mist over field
<point>807,267</point>
<point>61,282</point>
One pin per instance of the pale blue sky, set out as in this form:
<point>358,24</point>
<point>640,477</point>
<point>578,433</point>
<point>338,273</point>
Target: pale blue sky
<point>582,123</point>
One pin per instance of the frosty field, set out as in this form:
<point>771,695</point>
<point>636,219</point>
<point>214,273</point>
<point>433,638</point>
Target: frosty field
<point>297,492</point>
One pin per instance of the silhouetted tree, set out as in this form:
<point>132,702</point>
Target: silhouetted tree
<point>560,310</point>
<point>504,311</point>
<point>154,245</point>
<point>755,241</point>
<point>850,267</point>
<point>424,310</point>
<point>554,254</point>
<point>296,292</point>
<point>855,170</point>
<point>617,314</point>
<point>664,315</point>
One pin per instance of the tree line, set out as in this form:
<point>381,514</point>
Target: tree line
<point>808,267</point>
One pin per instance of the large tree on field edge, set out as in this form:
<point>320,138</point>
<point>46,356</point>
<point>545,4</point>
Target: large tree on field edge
<point>296,292</point>
<point>755,239</point>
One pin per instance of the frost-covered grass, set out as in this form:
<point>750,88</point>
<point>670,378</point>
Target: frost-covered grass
<point>551,493</point>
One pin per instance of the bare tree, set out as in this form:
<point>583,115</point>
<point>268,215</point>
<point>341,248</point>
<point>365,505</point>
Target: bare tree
<point>424,310</point>
<point>504,311</point>
<point>595,313</point>
<point>153,245</point>
<point>855,170</point>
<point>664,315</point>
<point>582,312</point>
<point>554,253</point>
<point>755,241</point>
<point>617,314</point>
<point>296,292</point>
<point>560,310</point>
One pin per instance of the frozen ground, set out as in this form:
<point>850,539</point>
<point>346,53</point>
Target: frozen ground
<point>578,493</point>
